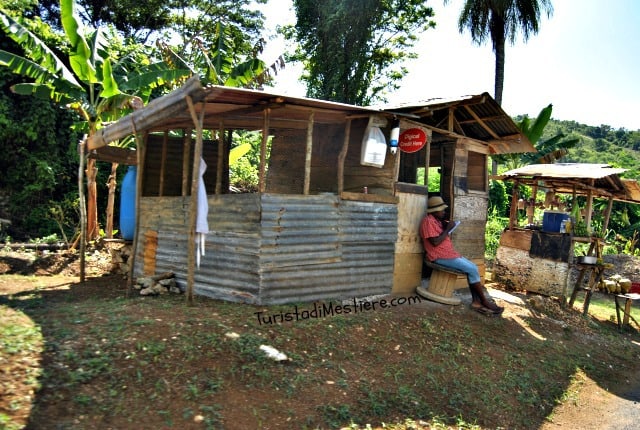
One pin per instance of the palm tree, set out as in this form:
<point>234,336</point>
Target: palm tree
<point>501,20</point>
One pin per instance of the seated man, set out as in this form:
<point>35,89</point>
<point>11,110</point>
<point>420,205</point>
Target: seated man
<point>434,231</point>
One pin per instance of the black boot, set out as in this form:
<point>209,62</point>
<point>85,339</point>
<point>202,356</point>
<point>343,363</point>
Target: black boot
<point>480,295</point>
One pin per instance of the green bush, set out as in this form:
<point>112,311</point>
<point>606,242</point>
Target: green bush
<point>498,198</point>
<point>495,226</point>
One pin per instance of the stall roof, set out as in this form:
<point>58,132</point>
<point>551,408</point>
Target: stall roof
<point>478,117</point>
<point>566,178</point>
<point>236,107</point>
<point>475,117</point>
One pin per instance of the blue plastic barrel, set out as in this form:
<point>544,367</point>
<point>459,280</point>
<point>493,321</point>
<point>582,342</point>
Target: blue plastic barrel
<point>552,220</point>
<point>128,204</point>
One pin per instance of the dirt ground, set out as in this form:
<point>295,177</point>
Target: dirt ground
<point>592,405</point>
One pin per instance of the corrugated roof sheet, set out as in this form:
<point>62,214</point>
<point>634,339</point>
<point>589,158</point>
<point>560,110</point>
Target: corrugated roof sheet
<point>566,170</point>
<point>477,117</point>
<point>600,179</point>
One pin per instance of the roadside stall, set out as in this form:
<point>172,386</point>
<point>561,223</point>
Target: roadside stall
<point>538,255</point>
<point>332,218</point>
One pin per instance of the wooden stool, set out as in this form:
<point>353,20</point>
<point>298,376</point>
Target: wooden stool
<point>628,298</point>
<point>441,284</point>
<point>595,274</point>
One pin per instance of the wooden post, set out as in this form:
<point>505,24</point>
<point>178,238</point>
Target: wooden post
<point>396,166</point>
<point>163,162</point>
<point>587,218</point>
<point>451,188</point>
<point>343,155</point>
<point>531,208</point>
<point>607,216</point>
<point>263,151</point>
<point>221,155</point>
<point>427,162</point>
<point>307,157</point>
<point>140,153</point>
<point>111,186</point>
<point>193,205</point>
<point>186,150</point>
<point>513,211</point>
<point>83,208</point>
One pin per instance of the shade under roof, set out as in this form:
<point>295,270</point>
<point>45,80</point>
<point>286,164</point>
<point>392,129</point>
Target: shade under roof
<point>601,180</point>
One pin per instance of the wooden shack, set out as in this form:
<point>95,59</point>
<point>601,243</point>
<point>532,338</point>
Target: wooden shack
<point>540,259</point>
<point>322,225</point>
<point>465,132</point>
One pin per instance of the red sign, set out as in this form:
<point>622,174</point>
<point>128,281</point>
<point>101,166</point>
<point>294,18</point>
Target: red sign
<point>412,140</point>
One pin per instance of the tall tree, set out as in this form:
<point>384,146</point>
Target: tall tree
<point>501,21</point>
<point>348,47</point>
<point>90,81</point>
<point>178,20</point>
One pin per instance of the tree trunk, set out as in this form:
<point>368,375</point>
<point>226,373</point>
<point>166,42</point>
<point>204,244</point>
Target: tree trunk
<point>500,58</point>
<point>83,208</point>
<point>498,44</point>
<point>91,171</point>
<point>111,184</point>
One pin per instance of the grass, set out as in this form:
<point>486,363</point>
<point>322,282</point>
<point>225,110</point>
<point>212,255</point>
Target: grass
<point>602,307</point>
<point>98,360</point>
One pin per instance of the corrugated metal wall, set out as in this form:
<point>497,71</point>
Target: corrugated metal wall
<point>275,248</point>
<point>229,269</point>
<point>320,247</point>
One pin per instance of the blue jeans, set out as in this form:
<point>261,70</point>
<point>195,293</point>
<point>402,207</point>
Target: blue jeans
<point>462,264</point>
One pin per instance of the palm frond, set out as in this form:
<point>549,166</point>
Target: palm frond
<point>35,49</point>
<point>81,54</point>
<point>153,77</point>
<point>244,73</point>
<point>42,91</point>
<point>534,133</point>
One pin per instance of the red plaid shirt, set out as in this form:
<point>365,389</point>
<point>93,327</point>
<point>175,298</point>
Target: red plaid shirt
<point>432,227</point>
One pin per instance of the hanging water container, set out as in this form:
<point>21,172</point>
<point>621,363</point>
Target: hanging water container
<point>128,204</point>
<point>374,147</point>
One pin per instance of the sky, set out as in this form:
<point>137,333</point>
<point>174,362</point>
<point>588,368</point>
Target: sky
<point>585,60</point>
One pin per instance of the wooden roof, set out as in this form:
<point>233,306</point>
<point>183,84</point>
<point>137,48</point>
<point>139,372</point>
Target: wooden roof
<point>237,108</point>
<point>478,118</point>
<point>601,180</point>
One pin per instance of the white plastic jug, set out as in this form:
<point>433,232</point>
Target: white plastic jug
<point>374,147</point>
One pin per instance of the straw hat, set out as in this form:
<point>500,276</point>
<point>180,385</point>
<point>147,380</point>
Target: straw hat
<point>435,204</point>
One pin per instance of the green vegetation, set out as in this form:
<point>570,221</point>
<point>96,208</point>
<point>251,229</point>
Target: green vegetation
<point>351,51</point>
<point>571,142</point>
<point>95,74</point>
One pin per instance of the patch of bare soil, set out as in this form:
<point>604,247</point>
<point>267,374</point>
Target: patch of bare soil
<point>49,263</point>
<point>154,363</point>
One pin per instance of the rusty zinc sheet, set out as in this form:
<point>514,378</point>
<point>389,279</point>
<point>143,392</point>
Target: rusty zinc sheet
<point>477,117</point>
<point>276,248</point>
<point>320,248</point>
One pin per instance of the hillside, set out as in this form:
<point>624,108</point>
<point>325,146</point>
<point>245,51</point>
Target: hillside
<point>601,144</point>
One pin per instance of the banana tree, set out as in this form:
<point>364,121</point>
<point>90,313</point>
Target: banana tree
<point>219,62</point>
<point>549,150</point>
<point>89,81</point>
